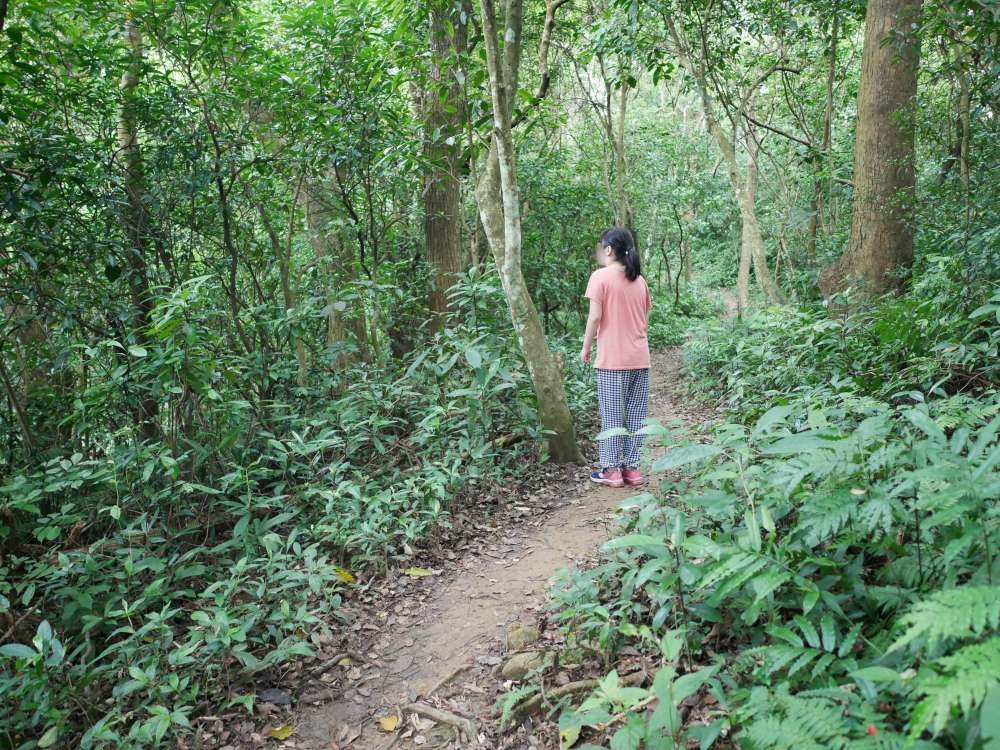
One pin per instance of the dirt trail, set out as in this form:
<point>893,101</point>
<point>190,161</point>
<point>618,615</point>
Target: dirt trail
<point>470,607</point>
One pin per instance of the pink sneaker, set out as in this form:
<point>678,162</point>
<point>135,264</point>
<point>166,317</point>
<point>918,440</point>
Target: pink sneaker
<point>611,477</point>
<point>633,476</point>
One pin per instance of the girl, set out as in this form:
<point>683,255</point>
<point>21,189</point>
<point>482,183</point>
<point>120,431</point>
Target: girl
<point>619,310</point>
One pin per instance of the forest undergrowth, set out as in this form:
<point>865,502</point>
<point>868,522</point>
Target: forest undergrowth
<point>157,583</point>
<point>825,573</point>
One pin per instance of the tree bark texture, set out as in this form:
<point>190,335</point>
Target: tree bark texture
<point>499,202</point>
<point>444,116</point>
<point>881,240</point>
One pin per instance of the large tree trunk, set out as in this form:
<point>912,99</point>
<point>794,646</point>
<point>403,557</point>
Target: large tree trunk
<point>881,240</point>
<point>137,222</point>
<point>499,202</point>
<point>445,114</point>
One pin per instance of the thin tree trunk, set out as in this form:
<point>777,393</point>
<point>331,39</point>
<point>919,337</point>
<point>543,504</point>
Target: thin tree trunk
<point>445,115</point>
<point>689,216</point>
<point>15,402</point>
<point>881,240</point>
<point>624,206</point>
<point>964,105</point>
<point>136,221</point>
<point>743,276</point>
<point>331,258</point>
<point>748,212</point>
<point>499,205</point>
<point>283,257</point>
<point>821,186</point>
<point>751,229</point>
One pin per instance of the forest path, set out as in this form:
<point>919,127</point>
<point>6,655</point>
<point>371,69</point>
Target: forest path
<point>462,614</point>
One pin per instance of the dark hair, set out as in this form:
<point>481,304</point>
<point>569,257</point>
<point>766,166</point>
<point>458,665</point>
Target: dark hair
<point>621,242</point>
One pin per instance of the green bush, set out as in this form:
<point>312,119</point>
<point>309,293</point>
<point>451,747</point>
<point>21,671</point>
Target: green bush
<point>669,322</point>
<point>832,555</point>
<point>162,579</point>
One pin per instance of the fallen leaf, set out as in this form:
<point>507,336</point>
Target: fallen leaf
<point>568,737</point>
<point>279,733</point>
<point>418,572</point>
<point>389,723</point>
<point>344,575</point>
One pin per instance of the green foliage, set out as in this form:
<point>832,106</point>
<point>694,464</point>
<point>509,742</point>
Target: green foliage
<point>164,574</point>
<point>836,539</point>
<point>669,322</point>
<point>612,703</point>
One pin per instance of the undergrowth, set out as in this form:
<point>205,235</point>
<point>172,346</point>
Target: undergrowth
<point>827,570</point>
<point>153,584</point>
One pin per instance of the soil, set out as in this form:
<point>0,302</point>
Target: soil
<point>440,635</point>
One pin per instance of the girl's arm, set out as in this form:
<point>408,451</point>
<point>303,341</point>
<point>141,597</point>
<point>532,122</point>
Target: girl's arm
<point>590,333</point>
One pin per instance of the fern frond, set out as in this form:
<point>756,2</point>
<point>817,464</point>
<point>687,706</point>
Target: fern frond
<point>953,683</point>
<point>794,723</point>
<point>950,614</point>
<point>826,516</point>
<point>508,701</point>
<point>876,517</point>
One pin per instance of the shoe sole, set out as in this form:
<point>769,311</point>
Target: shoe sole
<point>636,484</point>
<point>608,482</point>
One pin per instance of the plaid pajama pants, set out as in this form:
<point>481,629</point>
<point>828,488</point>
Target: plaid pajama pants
<point>624,399</point>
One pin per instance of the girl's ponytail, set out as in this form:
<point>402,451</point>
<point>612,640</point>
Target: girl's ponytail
<point>621,242</point>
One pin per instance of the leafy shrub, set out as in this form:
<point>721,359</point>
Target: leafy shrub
<point>669,323</point>
<point>153,582</point>
<point>833,554</point>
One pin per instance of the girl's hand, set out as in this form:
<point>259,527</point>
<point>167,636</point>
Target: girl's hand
<point>585,355</point>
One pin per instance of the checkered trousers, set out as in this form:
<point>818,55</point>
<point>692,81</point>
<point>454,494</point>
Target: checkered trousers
<point>624,399</point>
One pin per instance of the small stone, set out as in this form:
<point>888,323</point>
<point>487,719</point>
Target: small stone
<point>520,665</point>
<point>522,636</point>
<point>275,696</point>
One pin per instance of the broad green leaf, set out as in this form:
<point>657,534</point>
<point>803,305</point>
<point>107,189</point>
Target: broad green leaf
<point>876,674</point>
<point>685,455</point>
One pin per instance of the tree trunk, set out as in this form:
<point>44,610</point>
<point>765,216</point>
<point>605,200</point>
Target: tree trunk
<point>821,186</point>
<point>747,254</point>
<point>283,257</point>
<point>881,239</point>
<point>751,228</point>
<point>743,277</point>
<point>748,212</point>
<point>624,206</point>
<point>499,206</point>
<point>689,216</point>
<point>445,115</point>
<point>331,258</point>
<point>964,127</point>
<point>136,220</point>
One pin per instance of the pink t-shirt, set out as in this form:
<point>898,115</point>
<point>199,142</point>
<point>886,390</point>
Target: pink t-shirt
<point>621,336</point>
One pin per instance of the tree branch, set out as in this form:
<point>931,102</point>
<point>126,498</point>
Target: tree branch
<point>543,57</point>
<point>750,118</point>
